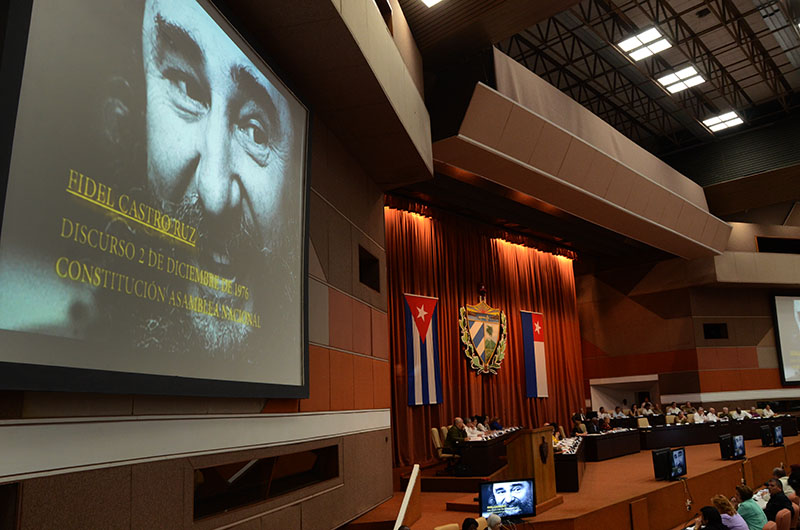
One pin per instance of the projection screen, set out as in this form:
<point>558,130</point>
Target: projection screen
<point>787,336</point>
<point>154,224</point>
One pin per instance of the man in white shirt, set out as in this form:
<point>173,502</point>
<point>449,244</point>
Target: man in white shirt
<point>673,409</point>
<point>647,410</point>
<point>711,416</point>
<point>603,414</point>
<point>768,412</point>
<point>618,413</point>
<point>740,414</point>
<point>700,415</point>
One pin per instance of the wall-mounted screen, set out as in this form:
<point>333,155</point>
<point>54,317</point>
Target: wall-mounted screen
<point>787,335</point>
<point>154,221</point>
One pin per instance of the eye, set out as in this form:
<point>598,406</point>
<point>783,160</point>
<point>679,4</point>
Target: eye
<point>185,91</point>
<point>254,133</point>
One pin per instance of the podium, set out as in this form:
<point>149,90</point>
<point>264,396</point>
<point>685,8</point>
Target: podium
<point>531,455</point>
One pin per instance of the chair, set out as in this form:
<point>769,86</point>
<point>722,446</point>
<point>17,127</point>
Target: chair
<point>760,412</point>
<point>562,431</point>
<point>481,523</point>
<point>770,526</point>
<point>670,418</point>
<point>440,454</point>
<point>627,412</point>
<point>444,432</point>
<point>642,422</point>
<point>451,526</point>
<point>795,515</point>
<point>690,417</point>
<point>784,519</point>
<point>795,498</point>
<point>582,427</point>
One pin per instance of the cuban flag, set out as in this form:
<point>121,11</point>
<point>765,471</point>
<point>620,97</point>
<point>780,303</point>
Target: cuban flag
<point>422,350</point>
<point>533,346</point>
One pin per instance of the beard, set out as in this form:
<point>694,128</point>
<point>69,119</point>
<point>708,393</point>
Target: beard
<point>237,256</point>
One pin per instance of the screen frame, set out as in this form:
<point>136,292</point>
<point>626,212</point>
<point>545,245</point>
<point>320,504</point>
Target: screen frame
<point>773,301</point>
<point>482,498</point>
<point>41,377</point>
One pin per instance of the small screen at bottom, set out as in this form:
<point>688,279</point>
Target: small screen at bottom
<point>512,498</point>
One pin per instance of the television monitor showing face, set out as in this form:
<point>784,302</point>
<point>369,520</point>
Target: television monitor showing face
<point>661,463</point>
<point>726,446</point>
<point>678,463</point>
<point>777,435</point>
<point>154,217</point>
<point>766,435</point>
<point>738,446</point>
<point>508,498</point>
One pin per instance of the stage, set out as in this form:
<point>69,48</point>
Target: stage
<point>622,494</point>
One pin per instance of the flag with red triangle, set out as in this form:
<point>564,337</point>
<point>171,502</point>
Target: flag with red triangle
<point>422,350</point>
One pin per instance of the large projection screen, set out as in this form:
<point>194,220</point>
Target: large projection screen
<point>787,336</point>
<point>154,223</point>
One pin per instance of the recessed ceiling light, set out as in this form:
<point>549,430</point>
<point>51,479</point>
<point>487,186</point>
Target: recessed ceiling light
<point>723,121</point>
<point>681,80</point>
<point>431,3</point>
<point>644,44</point>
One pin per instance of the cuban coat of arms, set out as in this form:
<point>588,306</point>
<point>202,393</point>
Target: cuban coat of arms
<point>484,334</point>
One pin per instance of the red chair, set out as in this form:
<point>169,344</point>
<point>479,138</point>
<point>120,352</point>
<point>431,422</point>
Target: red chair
<point>795,515</point>
<point>784,519</point>
<point>794,498</point>
<point>770,526</point>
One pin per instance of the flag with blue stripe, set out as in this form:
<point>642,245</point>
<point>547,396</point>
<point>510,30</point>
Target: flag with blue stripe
<point>533,350</point>
<point>422,350</point>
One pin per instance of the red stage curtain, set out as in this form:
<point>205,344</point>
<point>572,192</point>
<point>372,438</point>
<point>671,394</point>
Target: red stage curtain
<point>447,256</point>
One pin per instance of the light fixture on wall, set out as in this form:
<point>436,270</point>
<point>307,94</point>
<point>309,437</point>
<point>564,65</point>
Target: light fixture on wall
<point>723,121</point>
<point>681,80</point>
<point>644,44</point>
<point>431,3</point>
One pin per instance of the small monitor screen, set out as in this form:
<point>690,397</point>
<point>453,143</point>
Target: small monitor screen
<point>511,498</point>
<point>738,446</point>
<point>726,446</point>
<point>778,435</point>
<point>661,463</point>
<point>678,463</point>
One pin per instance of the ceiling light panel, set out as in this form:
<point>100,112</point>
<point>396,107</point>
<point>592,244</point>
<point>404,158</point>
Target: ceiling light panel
<point>644,44</point>
<point>723,121</point>
<point>681,80</point>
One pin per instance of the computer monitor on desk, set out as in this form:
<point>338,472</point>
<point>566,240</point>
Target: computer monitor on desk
<point>510,499</point>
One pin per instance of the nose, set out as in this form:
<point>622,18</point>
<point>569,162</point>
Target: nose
<point>217,183</point>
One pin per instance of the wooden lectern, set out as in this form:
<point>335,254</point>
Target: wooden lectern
<point>531,455</point>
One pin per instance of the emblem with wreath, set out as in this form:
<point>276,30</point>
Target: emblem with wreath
<point>495,352</point>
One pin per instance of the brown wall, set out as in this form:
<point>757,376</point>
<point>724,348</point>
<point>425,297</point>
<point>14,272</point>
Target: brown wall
<point>649,320</point>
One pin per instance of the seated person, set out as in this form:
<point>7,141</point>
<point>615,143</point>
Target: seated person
<point>681,418</point>
<point>709,519</point>
<point>495,424</point>
<point>780,474</point>
<point>749,509</point>
<point>725,415</point>
<point>768,412</point>
<point>635,412</point>
<point>469,524</point>
<point>647,409</point>
<point>576,428</point>
<point>688,408</point>
<point>606,425</point>
<point>479,420</point>
<point>618,413</point>
<point>777,499</point>
<point>673,409</point>
<point>739,414</point>
<point>603,414</point>
<point>647,401</point>
<point>754,413</point>
<point>731,519</point>
<point>456,432</point>
<point>556,432</point>
<point>711,415</point>
<point>493,522</point>
<point>472,431</point>
<point>580,415</point>
<point>700,415</point>
<point>593,427</point>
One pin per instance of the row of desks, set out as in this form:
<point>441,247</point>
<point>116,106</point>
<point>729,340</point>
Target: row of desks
<point>596,447</point>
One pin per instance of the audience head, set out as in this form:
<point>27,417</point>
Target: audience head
<point>744,492</point>
<point>681,415</point>
<point>739,410</point>
<point>700,410</point>
<point>688,404</point>
<point>493,521</point>
<point>712,410</point>
<point>724,410</point>
<point>778,472</point>
<point>459,423</point>
<point>753,410</point>
<point>617,409</point>
<point>673,404</point>
<point>469,524</point>
<point>767,407</point>
<point>710,515</point>
<point>774,486</point>
<point>723,505</point>
<point>602,410</point>
<point>647,406</point>
<point>595,420</point>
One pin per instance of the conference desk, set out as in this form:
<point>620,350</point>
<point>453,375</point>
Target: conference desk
<point>611,445</point>
<point>707,433</point>
<point>632,423</point>
<point>481,458</point>
<point>570,468</point>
